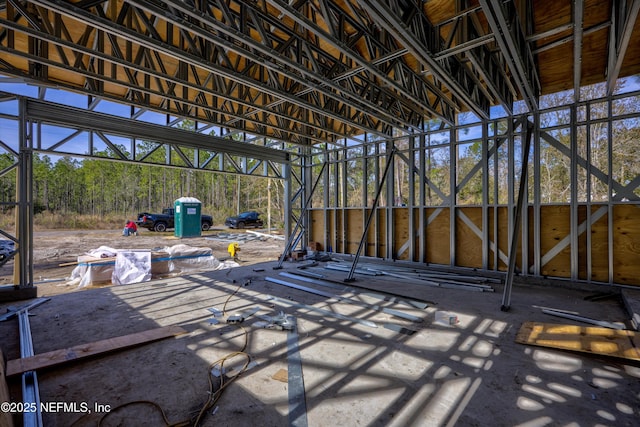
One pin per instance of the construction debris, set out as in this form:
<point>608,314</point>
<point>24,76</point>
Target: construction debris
<point>311,277</point>
<point>241,317</point>
<point>390,311</point>
<point>58,357</point>
<point>13,311</point>
<point>430,278</point>
<point>586,339</point>
<point>280,322</point>
<point>122,266</point>
<point>631,300</point>
<point>268,236</point>
<point>566,315</point>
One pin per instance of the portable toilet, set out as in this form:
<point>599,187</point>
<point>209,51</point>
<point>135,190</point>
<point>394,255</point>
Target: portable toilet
<point>187,219</point>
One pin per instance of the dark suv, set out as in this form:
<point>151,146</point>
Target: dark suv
<point>245,219</point>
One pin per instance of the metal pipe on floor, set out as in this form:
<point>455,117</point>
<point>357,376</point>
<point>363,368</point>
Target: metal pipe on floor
<point>30,390</point>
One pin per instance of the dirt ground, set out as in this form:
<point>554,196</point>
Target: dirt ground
<point>350,361</point>
<point>55,252</point>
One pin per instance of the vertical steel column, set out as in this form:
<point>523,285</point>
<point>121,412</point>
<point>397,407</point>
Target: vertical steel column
<point>422,232</point>
<point>588,231</point>
<point>391,202</point>
<point>453,176</point>
<point>336,198</point>
<point>293,237</point>
<point>390,159</point>
<point>573,203</point>
<point>412,195</point>
<point>374,208</point>
<point>610,188</point>
<point>513,248</point>
<point>485,195</point>
<point>24,189</point>
<point>496,195</point>
<point>344,202</point>
<point>365,178</point>
<point>537,250</point>
<point>288,207</point>
<point>328,240</point>
<point>307,180</point>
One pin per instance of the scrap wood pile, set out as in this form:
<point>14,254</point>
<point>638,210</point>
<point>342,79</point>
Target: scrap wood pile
<point>604,338</point>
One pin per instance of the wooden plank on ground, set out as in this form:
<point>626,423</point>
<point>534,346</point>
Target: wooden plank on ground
<point>58,357</point>
<point>586,339</point>
<point>6,419</point>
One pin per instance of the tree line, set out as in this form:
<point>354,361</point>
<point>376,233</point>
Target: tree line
<point>101,188</point>
<point>597,142</point>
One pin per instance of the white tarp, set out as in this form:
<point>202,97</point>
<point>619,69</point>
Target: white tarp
<point>132,267</point>
<point>106,265</point>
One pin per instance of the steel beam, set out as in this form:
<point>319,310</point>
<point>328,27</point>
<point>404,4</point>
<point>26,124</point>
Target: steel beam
<point>578,12</point>
<point>295,237</point>
<point>624,20</point>
<point>419,37</point>
<point>390,159</point>
<point>513,246</point>
<point>504,22</point>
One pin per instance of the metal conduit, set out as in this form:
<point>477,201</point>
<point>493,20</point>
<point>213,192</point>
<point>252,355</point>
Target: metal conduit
<point>30,390</point>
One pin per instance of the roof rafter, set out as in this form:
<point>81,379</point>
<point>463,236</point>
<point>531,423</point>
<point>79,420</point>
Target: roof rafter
<point>623,19</point>
<point>419,36</point>
<point>273,59</point>
<point>133,86</point>
<point>505,24</point>
<point>274,89</point>
<point>423,90</point>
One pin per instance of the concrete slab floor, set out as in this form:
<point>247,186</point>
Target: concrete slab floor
<point>468,374</point>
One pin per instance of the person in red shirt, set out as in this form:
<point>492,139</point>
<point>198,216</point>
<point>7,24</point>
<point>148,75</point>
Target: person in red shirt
<point>130,229</point>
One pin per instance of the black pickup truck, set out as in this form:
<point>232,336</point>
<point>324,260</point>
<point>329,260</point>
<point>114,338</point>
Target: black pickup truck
<point>164,221</point>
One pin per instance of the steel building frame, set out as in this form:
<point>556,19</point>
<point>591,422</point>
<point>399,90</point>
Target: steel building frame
<point>85,128</point>
<point>416,213</point>
<point>293,85</point>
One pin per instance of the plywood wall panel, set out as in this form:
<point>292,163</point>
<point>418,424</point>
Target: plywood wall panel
<point>317,232</point>
<point>555,228</point>
<point>503,235</point>
<point>626,244</point>
<point>437,239</point>
<point>370,248</point>
<point>600,248</point>
<point>402,229</point>
<point>555,225</point>
<point>468,243</point>
<point>382,233</point>
<point>354,229</point>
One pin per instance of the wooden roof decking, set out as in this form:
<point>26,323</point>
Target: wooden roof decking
<point>314,71</point>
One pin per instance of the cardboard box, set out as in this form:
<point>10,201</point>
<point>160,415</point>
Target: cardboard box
<point>314,246</point>
<point>296,255</point>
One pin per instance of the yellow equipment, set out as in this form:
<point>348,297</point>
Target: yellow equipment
<point>233,249</point>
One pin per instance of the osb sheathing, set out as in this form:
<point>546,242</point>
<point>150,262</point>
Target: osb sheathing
<point>554,234</point>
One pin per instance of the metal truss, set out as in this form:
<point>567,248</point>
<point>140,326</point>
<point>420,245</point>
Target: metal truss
<point>301,72</point>
<point>514,47</point>
<point>86,129</point>
<point>229,63</point>
<point>624,15</point>
<point>408,23</point>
